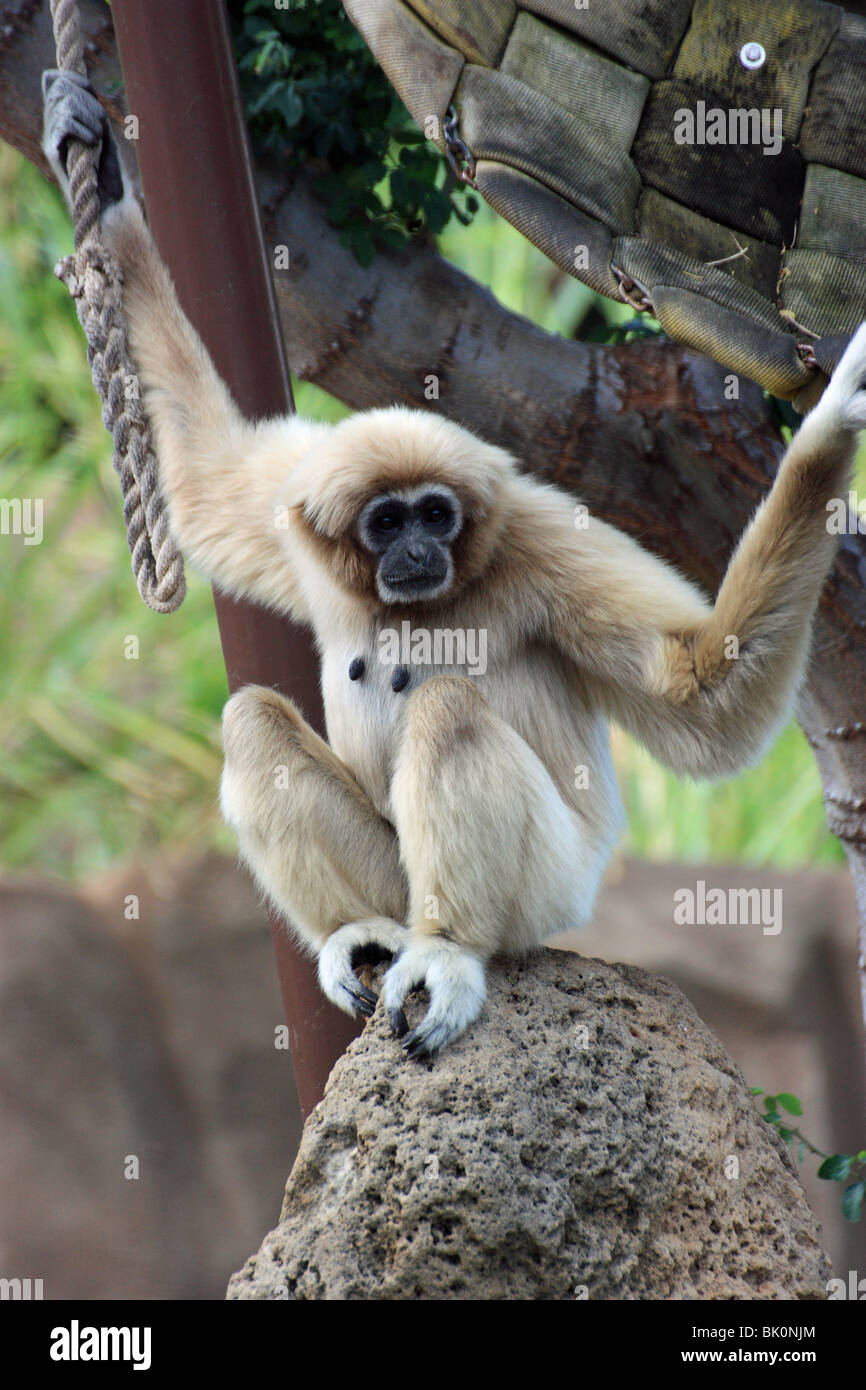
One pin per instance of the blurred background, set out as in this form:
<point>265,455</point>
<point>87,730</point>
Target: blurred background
<point>139,999</point>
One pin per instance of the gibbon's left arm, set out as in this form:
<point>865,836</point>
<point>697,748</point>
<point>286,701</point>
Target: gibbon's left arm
<point>704,687</point>
<point>217,469</point>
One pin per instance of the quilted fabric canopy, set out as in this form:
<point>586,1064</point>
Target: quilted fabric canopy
<point>643,143</point>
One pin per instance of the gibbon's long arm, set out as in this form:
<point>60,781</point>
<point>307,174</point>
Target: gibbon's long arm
<point>217,469</point>
<point>704,687</point>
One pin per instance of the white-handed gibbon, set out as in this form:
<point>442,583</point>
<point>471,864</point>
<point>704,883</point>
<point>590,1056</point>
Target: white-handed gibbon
<point>451,817</point>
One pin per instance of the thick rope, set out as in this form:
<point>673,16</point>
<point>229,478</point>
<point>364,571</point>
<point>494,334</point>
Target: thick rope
<point>93,278</point>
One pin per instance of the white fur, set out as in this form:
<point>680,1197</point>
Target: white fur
<point>454,979</point>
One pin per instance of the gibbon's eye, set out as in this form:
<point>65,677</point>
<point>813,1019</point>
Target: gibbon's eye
<point>387,518</point>
<point>437,512</point>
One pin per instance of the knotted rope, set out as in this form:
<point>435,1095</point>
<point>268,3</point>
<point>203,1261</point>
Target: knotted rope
<point>93,279</point>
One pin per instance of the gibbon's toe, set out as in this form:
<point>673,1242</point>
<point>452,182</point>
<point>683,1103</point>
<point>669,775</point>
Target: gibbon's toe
<point>454,980</point>
<point>398,1022</point>
<point>355,944</point>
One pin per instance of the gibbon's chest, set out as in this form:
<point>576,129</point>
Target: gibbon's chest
<point>367,682</point>
<point>366,685</point>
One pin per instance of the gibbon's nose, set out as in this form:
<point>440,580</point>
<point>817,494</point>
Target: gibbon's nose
<point>418,554</point>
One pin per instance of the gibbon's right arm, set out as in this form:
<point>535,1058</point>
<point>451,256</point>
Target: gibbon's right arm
<point>219,472</point>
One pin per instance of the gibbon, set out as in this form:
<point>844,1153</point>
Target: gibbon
<point>450,816</point>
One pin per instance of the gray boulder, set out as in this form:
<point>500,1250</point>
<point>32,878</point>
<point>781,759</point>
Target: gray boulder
<point>588,1137</point>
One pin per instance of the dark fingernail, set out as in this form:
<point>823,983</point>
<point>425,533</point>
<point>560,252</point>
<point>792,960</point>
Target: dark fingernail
<point>398,1022</point>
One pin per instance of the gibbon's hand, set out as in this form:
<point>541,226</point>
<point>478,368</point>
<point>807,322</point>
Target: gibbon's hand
<point>72,112</point>
<point>846,394</point>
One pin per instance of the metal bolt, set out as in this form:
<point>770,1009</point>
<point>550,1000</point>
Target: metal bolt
<point>752,55</point>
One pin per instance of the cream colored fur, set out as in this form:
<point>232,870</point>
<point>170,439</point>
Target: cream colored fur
<point>449,820</point>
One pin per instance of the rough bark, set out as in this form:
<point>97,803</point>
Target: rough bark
<point>643,432</point>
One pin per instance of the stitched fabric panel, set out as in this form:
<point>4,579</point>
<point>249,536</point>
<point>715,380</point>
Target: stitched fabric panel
<point>794,37</point>
<point>824,293</point>
<point>733,340</point>
<point>834,132</point>
<point>478,28</point>
<point>644,34</point>
<point>732,183</point>
<point>833,215</point>
<point>576,77</point>
<point>667,223</point>
<point>579,244</point>
<point>505,120</point>
<point>422,68</point>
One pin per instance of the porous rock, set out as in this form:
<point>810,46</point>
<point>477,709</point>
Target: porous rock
<point>588,1137</point>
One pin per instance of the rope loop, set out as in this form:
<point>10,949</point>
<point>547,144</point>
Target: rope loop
<point>94,279</point>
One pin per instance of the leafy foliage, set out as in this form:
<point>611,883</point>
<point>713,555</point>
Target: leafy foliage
<point>314,93</point>
<point>835,1167</point>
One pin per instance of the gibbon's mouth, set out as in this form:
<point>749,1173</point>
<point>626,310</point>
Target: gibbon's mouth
<point>415,585</point>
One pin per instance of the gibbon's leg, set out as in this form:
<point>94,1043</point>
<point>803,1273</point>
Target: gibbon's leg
<point>313,840</point>
<point>495,859</point>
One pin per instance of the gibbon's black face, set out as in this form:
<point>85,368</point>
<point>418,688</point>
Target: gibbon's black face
<point>410,534</point>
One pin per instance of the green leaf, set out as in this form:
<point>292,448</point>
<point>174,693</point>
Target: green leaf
<point>789,1103</point>
<point>852,1201</point>
<point>757,1090</point>
<point>392,237</point>
<point>291,106</point>
<point>359,238</point>
<point>836,1168</point>
<point>314,93</point>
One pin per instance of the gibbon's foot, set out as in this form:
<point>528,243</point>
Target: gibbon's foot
<point>357,943</point>
<point>454,979</point>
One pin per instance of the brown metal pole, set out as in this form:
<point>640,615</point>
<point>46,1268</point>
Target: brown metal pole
<point>193,153</point>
